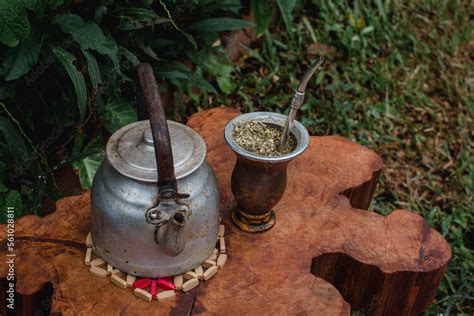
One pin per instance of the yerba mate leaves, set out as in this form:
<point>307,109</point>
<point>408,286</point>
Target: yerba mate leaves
<point>260,138</point>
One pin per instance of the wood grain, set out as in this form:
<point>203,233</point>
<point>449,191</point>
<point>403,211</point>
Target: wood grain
<point>322,257</point>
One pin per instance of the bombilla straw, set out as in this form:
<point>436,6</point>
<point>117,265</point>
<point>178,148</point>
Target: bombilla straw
<point>297,100</point>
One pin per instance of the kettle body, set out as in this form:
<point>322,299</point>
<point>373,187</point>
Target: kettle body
<point>124,238</point>
<point>155,199</point>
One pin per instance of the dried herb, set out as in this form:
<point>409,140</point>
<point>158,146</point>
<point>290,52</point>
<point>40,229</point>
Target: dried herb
<point>261,138</point>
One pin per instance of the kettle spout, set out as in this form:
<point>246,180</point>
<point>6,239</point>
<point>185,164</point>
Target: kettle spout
<point>171,237</point>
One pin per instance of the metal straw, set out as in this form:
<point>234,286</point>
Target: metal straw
<point>297,100</point>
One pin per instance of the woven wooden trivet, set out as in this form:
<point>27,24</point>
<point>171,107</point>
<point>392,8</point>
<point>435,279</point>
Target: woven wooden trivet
<point>162,289</point>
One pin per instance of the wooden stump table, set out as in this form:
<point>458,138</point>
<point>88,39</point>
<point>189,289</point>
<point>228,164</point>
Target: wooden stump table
<point>326,254</point>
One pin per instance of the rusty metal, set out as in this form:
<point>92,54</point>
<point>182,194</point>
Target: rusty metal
<point>259,182</point>
<point>159,128</point>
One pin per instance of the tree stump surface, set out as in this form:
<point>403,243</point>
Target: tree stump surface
<point>325,255</point>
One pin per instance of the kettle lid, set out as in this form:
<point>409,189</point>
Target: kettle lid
<point>131,152</point>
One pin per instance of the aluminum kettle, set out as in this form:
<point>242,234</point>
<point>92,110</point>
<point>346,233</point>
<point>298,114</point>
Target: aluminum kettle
<point>155,199</point>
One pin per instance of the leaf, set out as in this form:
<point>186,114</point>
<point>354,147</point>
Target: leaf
<point>14,24</point>
<point>79,156</point>
<point>173,74</point>
<point>3,188</point>
<point>99,13</point>
<point>367,30</point>
<point>146,49</point>
<point>129,56</point>
<point>77,78</point>
<point>130,25</point>
<point>219,25</point>
<point>20,59</point>
<point>200,82</point>
<point>54,4</point>
<point>13,200</point>
<point>286,8</point>
<point>93,67</point>
<point>37,6</point>
<point>190,39</point>
<point>79,142</point>
<point>88,166</point>
<point>222,71</point>
<point>229,5</point>
<point>173,70</point>
<point>16,145</point>
<point>117,114</point>
<point>6,93</point>
<point>141,14</point>
<point>161,42</point>
<point>137,18</point>
<point>87,34</point>
<point>262,14</point>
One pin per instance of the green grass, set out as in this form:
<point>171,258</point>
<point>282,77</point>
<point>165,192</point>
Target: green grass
<point>398,78</point>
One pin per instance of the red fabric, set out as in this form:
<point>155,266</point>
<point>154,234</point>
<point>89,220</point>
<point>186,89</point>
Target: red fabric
<point>166,285</point>
<point>153,288</point>
<point>141,284</point>
<point>163,283</point>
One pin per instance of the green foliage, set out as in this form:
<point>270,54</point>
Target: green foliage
<point>219,25</point>
<point>394,79</point>
<point>286,8</point>
<point>222,72</point>
<point>67,79</point>
<point>13,199</point>
<point>16,145</point>
<point>138,18</point>
<point>37,6</point>
<point>3,188</point>
<point>91,158</point>
<point>14,25</point>
<point>67,60</point>
<point>92,68</point>
<point>117,114</point>
<point>87,35</point>
<point>262,11</point>
<point>21,58</point>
